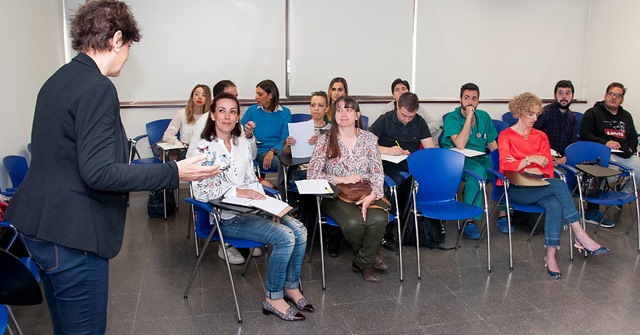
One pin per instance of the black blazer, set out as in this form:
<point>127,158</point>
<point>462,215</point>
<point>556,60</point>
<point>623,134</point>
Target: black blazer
<point>76,190</point>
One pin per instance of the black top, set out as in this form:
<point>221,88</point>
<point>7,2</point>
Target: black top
<point>389,129</point>
<point>600,125</point>
<point>76,190</point>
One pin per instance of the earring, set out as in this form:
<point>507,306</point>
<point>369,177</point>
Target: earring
<point>117,49</point>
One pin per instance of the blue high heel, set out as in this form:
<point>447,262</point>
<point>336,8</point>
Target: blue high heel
<point>555,275</point>
<point>600,251</point>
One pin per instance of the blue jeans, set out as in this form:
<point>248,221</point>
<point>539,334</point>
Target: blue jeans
<point>633,163</point>
<point>557,203</point>
<point>289,240</point>
<point>76,284</point>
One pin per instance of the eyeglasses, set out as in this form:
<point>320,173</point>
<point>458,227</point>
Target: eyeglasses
<point>615,95</point>
<point>345,110</point>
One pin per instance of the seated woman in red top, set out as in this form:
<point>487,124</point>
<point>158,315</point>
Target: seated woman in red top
<point>525,149</point>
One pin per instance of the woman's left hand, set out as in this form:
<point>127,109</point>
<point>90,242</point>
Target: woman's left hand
<point>365,202</point>
<point>313,139</point>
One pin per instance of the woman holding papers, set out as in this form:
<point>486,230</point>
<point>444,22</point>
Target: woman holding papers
<point>348,155</point>
<point>525,149</point>
<point>222,143</point>
<point>318,108</point>
<point>185,119</point>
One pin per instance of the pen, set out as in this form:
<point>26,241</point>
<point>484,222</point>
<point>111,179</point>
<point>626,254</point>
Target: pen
<point>398,144</point>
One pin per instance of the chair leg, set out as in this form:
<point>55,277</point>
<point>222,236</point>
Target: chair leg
<point>460,232</point>
<point>534,227</point>
<point>415,222</point>
<point>226,259</point>
<point>246,262</point>
<point>15,322</point>
<point>318,202</point>
<point>570,244</point>
<point>395,198</point>
<point>509,226</point>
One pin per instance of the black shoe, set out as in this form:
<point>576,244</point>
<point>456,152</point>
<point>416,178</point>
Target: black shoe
<point>334,248</point>
<point>389,243</point>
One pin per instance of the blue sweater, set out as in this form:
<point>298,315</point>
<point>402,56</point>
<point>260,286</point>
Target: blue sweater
<point>271,127</point>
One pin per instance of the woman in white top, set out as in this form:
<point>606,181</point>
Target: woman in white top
<point>184,120</point>
<point>224,145</point>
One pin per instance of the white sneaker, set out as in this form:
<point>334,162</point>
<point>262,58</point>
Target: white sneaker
<point>257,252</point>
<point>234,255</point>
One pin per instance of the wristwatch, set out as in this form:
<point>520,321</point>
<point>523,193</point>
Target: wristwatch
<point>526,161</point>
<point>274,150</point>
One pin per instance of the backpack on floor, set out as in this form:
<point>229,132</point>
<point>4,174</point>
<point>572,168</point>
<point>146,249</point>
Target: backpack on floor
<point>431,232</point>
<point>155,204</point>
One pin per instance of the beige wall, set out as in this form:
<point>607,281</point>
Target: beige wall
<point>31,33</point>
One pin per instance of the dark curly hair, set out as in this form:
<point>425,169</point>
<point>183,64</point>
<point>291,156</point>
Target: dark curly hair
<point>96,21</point>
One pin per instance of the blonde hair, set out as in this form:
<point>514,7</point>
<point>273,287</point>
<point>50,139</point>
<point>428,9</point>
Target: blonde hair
<point>189,108</point>
<point>523,104</point>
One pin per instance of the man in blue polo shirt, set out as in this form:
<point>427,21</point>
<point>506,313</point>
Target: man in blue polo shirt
<point>400,132</point>
<point>469,128</point>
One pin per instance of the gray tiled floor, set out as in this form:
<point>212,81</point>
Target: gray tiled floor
<point>456,294</point>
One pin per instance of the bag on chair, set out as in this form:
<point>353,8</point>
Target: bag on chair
<point>590,183</point>
<point>354,192</point>
<point>155,204</point>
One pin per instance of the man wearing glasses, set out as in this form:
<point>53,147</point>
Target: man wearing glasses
<point>610,124</point>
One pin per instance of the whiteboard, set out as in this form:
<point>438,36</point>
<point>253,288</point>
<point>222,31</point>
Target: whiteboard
<point>185,43</point>
<point>369,43</point>
<point>506,47</point>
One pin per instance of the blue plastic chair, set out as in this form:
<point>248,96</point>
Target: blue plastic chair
<point>438,172</point>
<point>580,152</point>
<point>300,117</point>
<point>4,318</point>
<point>365,121</point>
<point>207,226</point>
<point>500,195</point>
<point>579,119</point>
<point>324,219</point>
<point>509,119</point>
<point>19,280</point>
<point>155,131</point>
<point>500,125</point>
<point>16,167</point>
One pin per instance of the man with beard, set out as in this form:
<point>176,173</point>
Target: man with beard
<point>560,125</point>
<point>610,124</point>
<point>558,121</point>
<point>469,128</point>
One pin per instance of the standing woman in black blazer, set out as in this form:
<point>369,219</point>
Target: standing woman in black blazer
<point>71,207</point>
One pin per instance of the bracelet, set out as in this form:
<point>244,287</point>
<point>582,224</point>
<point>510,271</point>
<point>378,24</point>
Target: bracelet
<point>248,136</point>
<point>274,150</point>
<point>526,161</point>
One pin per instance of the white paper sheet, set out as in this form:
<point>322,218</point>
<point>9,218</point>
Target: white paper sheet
<point>313,186</point>
<point>170,146</point>
<point>468,152</point>
<point>394,159</point>
<point>302,132</point>
<point>555,153</point>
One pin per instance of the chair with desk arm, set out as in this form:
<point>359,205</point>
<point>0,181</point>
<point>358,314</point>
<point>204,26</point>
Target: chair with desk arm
<point>324,219</point>
<point>500,195</point>
<point>435,191</point>
<point>581,152</point>
<point>155,131</point>
<point>17,168</point>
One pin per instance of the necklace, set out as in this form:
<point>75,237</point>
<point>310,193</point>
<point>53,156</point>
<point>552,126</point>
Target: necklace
<point>524,133</point>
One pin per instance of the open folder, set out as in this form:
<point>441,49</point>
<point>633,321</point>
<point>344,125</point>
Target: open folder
<point>269,204</point>
<point>313,186</point>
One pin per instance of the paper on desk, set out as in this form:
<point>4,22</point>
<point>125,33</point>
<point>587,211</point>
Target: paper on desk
<point>313,186</point>
<point>170,146</point>
<point>269,204</point>
<point>555,153</point>
<point>616,150</point>
<point>468,152</point>
<point>302,132</point>
<point>394,159</point>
